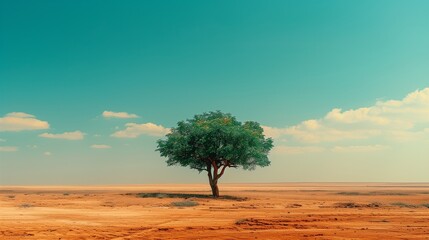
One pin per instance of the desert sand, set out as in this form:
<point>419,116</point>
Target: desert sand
<point>268,211</point>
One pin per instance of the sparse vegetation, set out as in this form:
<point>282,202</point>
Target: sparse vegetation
<point>240,221</point>
<point>382,220</point>
<point>184,195</point>
<point>108,204</point>
<point>404,205</point>
<point>184,204</point>
<point>11,196</point>
<point>347,205</point>
<point>25,205</point>
<point>349,193</point>
<point>374,205</point>
<point>373,193</point>
<point>294,205</point>
<point>66,194</point>
<point>409,205</point>
<point>155,195</point>
<point>356,205</point>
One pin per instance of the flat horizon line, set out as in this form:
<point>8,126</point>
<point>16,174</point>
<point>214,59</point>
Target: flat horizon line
<point>226,183</point>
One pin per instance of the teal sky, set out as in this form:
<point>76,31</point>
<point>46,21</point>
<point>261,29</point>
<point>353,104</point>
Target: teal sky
<point>280,63</point>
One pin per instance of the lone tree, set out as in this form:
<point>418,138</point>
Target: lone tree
<point>214,141</point>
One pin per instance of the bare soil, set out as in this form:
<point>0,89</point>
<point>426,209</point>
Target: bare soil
<point>249,211</point>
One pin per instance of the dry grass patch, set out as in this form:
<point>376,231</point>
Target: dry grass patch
<point>356,205</point>
<point>184,204</point>
<point>25,205</point>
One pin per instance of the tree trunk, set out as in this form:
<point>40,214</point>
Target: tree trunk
<point>213,178</point>
<point>215,190</point>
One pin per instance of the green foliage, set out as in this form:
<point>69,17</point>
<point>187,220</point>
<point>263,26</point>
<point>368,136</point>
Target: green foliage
<point>216,137</point>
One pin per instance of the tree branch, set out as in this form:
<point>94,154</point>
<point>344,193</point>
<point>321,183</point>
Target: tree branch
<point>222,171</point>
<point>225,164</point>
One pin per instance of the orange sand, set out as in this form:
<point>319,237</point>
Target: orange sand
<point>271,211</point>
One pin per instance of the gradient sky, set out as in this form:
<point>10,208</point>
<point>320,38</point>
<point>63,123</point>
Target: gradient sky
<point>290,65</point>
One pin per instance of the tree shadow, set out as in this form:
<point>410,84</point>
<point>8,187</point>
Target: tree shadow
<point>185,196</point>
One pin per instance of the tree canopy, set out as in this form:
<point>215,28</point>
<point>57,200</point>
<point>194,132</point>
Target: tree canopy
<point>214,141</point>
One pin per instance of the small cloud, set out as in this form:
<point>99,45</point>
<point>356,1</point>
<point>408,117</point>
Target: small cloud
<point>76,135</point>
<point>97,135</point>
<point>19,121</point>
<point>97,146</point>
<point>8,149</point>
<point>2,140</point>
<point>109,114</point>
<point>20,115</point>
<point>273,132</point>
<point>134,130</point>
<point>47,153</point>
<point>32,146</point>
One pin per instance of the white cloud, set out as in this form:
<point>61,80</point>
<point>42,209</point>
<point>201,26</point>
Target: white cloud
<point>97,146</point>
<point>76,135</point>
<point>2,140</point>
<point>47,153</point>
<point>8,149</point>
<point>355,116</point>
<point>19,121</point>
<point>134,130</point>
<point>399,120</point>
<point>273,132</point>
<point>325,133</point>
<point>20,115</point>
<point>109,114</point>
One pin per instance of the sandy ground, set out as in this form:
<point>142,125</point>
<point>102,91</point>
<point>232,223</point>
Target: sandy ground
<point>271,211</point>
